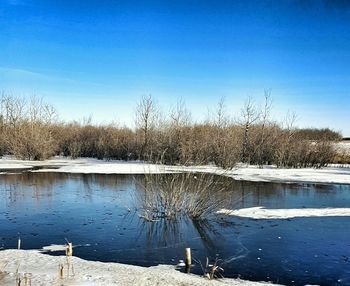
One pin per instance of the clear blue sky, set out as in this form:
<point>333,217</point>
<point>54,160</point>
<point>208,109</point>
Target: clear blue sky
<point>99,57</point>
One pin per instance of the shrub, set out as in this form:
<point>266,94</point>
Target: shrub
<point>169,196</point>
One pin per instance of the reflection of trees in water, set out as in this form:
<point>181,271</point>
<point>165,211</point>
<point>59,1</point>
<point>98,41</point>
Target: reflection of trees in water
<point>27,186</point>
<point>37,179</point>
<point>102,181</point>
<point>247,194</point>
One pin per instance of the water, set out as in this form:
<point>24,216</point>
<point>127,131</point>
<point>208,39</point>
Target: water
<point>97,212</point>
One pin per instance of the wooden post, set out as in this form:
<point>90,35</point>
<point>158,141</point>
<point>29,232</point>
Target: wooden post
<point>188,260</point>
<point>60,271</point>
<point>69,250</point>
<point>19,243</point>
<point>27,279</point>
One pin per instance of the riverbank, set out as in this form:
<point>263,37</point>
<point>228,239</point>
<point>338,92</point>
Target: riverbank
<point>337,174</point>
<point>44,270</point>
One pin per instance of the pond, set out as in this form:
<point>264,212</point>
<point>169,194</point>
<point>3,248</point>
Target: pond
<point>98,213</point>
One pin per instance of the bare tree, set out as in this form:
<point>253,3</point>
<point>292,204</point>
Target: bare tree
<point>146,116</point>
<point>12,109</point>
<point>221,153</point>
<point>221,119</point>
<point>173,139</point>
<point>250,115</point>
<point>264,137</point>
<point>285,149</point>
<point>180,115</point>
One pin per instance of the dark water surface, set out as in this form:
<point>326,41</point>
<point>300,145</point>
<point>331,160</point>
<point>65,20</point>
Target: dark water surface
<point>92,211</point>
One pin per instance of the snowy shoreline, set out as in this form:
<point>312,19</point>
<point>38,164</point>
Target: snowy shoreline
<point>263,213</point>
<point>44,271</point>
<point>333,174</point>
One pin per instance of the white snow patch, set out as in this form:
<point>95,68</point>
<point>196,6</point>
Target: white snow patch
<point>303,175</point>
<point>14,166</point>
<point>113,168</point>
<point>262,213</point>
<point>44,271</point>
<point>331,174</point>
<point>54,247</point>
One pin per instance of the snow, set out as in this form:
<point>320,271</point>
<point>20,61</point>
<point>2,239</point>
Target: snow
<point>339,175</point>
<point>343,147</point>
<point>331,174</point>
<point>54,247</point>
<point>14,166</point>
<point>44,270</point>
<point>263,213</point>
<point>115,168</point>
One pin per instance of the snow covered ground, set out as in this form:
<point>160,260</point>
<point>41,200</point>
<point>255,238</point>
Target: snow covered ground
<point>331,174</point>
<point>262,213</point>
<point>44,271</point>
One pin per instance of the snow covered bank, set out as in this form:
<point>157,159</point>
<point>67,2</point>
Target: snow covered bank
<point>84,166</point>
<point>332,174</point>
<point>337,175</point>
<point>44,270</point>
<point>262,213</point>
<point>14,166</point>
<point>114,168</point>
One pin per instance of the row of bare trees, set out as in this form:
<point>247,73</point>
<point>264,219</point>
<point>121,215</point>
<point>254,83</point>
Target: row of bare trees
<point>30,129</point>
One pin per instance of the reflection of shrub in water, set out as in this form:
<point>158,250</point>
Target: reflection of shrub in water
<point>193,195</point>
<point>179,232</point>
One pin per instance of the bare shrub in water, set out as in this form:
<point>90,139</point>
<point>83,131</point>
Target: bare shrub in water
<point>194,195</point>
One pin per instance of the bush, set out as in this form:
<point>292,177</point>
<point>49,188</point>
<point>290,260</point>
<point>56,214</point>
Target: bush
<point>173,195</point>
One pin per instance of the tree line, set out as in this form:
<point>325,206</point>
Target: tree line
<point>31,130</point>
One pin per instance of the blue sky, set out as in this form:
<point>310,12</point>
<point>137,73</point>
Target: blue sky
<point>99,57</point>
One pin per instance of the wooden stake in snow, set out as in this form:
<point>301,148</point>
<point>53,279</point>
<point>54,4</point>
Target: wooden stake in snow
<point>60,271</point>
<point>27,279</point>
<point>188,260</point>
<point>18,281</point>
<point>69,250</point>
<point>19,243</point>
